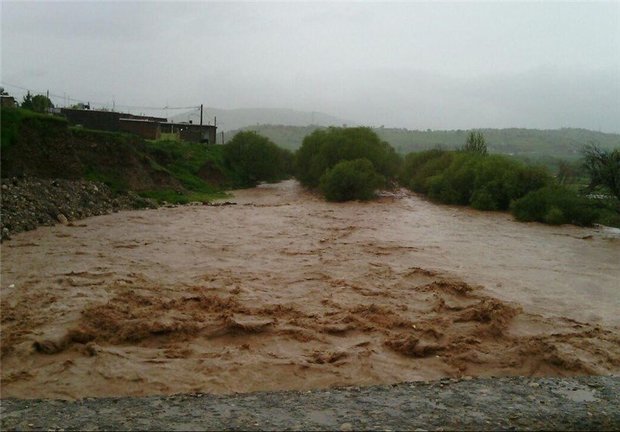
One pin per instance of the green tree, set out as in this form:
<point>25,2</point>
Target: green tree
<point>38,103</point>
<point>603,168</point>
<point>253,158</point>
<point>351,180</point>
<point>475,143</point>
<point>323,149</point>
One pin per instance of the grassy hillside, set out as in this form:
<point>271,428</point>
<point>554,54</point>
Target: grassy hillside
<point>45,146</point>
<point>541,146</point>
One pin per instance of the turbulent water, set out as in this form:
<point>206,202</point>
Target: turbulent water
<point>285,291</point>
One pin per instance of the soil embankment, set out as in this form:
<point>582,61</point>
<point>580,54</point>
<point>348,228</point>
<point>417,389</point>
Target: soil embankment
<point>284,291</point>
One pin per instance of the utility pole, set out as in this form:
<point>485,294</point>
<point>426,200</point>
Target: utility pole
<point>200,114</point>
<point>222,137</point>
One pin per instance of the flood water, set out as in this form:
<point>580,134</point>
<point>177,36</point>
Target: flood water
<point>285,291</point>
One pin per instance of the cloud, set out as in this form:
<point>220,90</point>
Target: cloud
<point>426,65</point>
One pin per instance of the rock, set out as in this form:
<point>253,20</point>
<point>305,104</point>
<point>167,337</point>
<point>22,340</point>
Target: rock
<point>346,427</point>
<point>30,202</point>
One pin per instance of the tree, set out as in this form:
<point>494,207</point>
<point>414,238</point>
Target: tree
<point>603,168</point>
<point>475,143</point>
<point>254,158</point>
<point>323,149</point>
<point>566,172</point>
<point>351,180</point>
<point>38,103</point>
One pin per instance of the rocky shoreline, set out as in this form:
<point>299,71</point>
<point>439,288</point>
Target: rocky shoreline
<point>29,202</point>
<point>517,403</point>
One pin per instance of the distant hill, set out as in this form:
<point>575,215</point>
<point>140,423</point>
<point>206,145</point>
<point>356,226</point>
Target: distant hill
<point>228,120</point>
<point>532,144</point>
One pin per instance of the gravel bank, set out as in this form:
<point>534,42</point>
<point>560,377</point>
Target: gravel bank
<point>584,403</point>
<point>31,202</point>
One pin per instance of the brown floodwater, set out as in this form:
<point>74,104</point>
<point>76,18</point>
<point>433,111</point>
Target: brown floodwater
<point>285,291</point>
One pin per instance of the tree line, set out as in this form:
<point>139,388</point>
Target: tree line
<point>353,163</point>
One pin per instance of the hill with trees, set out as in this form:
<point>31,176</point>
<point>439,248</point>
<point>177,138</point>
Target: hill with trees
<point>533,145</point>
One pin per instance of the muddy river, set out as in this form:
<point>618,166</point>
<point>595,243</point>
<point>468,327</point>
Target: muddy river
<point>285,291</point>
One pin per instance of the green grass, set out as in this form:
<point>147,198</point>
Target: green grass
<point>11,120</point>
<point>94,134</point>
<point>113,180</point>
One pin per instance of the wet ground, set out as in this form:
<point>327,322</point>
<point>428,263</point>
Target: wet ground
<point>286,292</point>
<point>586,403</point>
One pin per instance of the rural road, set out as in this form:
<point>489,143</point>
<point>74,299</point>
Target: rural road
<point>584,403</point>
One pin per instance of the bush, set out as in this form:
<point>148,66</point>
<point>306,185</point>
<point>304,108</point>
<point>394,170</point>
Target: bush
<point>475,143</point>
<point>555,205</point>
<point>470,178</point>
<point>351,180</point>
<point>603,168</point>
<point>253,158</point>
<point>323,149</point>
<point>419,168</point>
<point>503,180</point>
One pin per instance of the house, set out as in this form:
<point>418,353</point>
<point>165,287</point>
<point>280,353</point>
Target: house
<point>142,127</point>
<point>147,127</point>
<point>190,132</point>
<point>7,101</point>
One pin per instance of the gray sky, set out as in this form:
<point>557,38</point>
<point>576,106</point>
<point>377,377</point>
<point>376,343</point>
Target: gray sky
<point>416,65</point>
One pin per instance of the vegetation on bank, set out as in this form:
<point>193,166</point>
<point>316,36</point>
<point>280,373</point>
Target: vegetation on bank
<point>11,120</point>
<point>251,158</point>
<point>494,182</point>
<point>351,180</point>
<point>548,147</point>
<point>340,163</point>
<point>318,162</point>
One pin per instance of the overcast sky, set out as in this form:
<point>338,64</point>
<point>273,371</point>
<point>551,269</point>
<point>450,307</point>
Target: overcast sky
<point>417,64</point>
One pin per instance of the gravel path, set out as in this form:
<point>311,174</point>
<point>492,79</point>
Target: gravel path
<point>584,403</point>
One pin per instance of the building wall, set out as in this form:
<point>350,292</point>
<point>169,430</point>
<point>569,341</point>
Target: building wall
<point>100,120</point>
<point>206,134</point>
<point>145,129</point>
<point>7,101</point>
<point>144,126</point>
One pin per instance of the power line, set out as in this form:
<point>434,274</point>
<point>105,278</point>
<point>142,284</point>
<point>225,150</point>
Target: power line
<point>70,99</point>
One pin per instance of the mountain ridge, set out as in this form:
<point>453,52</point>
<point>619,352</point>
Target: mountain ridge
<point>237,118</point>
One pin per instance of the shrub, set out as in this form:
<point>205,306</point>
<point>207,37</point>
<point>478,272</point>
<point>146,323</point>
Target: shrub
<point>603,168</point>
<point>470,178</point>
<point>503,180</point>
<point>253,158</point>
<point>457,180</point>
<point>419,168</point>
<point>323,149</point>
<point>476,143</point>
<point>555,205</point>
<point>351,180</point>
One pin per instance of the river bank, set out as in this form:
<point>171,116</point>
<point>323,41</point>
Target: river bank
<point>29,202</point>
<point>585,403</point>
